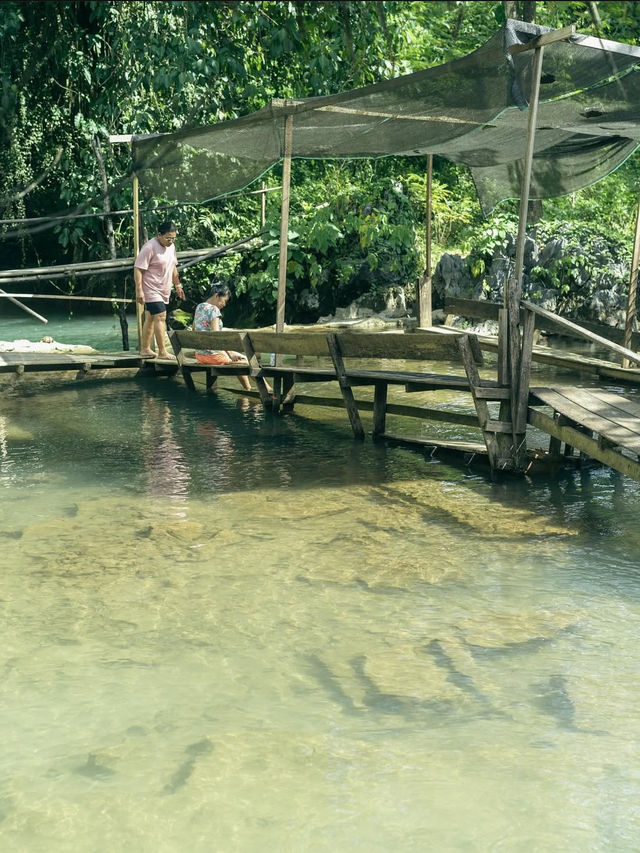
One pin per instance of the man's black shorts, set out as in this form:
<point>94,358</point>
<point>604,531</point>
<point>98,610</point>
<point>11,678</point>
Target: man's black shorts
<point>156,307</point>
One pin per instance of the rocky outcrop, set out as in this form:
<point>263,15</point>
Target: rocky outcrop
<point>559,275</point>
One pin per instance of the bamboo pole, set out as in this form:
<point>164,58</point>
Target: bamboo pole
<point>513,454</point>
<point>526,174</point>
<point>11,298</point>
<point>136,249</point>
<point>186,258</point>
<point>425,314</point>
<point>633,288</point>
<point>284,222</point>
<point>64,297</point>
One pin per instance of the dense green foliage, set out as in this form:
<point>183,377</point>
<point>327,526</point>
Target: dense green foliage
<point>74,72</point>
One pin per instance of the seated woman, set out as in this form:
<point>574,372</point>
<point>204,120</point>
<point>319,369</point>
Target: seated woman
<point>207,318</point>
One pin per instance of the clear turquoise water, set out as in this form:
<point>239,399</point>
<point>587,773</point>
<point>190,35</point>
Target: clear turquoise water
<point>228,631</point>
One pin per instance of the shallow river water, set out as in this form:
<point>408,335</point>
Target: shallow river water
<point>227,631</point>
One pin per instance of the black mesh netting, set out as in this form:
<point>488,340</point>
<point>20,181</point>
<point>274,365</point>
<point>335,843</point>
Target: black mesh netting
<point>471,110</point>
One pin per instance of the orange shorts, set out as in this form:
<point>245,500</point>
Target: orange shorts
<point>213,358</point>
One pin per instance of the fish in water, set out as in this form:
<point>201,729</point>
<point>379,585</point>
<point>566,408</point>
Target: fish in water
<point>327,680</point>
<point>463,682</point>
<point>183,773</point>
<point>94,770</point>
<point>553,699</point>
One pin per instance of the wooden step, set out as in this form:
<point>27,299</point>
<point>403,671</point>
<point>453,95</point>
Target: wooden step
<point>483,392</point>
<point>498,426</point>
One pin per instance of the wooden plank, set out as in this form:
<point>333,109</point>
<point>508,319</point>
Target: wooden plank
<point>223,340</point>
<point>492,393</point>
<point>347,394</point>
<point>580,415</point>
<point>472,448</point>
<point>482,310</point>
<point>582,332</point>
<point>331,402</point>
<point>590,446</point>
<point>300,374</point>
<point>608,405</point>
<point>504,427</point>
<point>292,343</point>
<point>492,443</point>
<point>414,382</point>
<point>420,345</point>
<point>617,401</point>
<point>449,416</point>
<point>478,309</point>
<point>561,34</point>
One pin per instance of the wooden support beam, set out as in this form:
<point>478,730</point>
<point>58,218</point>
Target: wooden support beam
<point>379,408</point>
<point>136,249</point>
<point>574,438</point>
<point>522,397</point>
<point>284,222</point>
<point>581,332</point>
<point>545,38</point>
<point>633,288</point>
<point>252,358</point>
<point>425,314</point>
<point>492,443</point>
<point>24,307</point>
<point>345,387</point>
<point>527,169</point>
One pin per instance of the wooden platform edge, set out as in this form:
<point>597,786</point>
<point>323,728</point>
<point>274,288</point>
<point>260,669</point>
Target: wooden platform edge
<point>571,436</point>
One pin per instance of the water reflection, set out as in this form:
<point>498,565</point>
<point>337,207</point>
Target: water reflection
<point>165,464</point>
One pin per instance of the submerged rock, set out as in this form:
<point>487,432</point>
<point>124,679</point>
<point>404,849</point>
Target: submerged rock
<point>487,518</point>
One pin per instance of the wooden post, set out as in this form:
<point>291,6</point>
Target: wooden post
<point>136,249</point>
<point>512,454</point>
<point>526,174</point>
<point>425,315</point>
<point>633,286</point>
<point>517,368</point>
<point>284,222</point>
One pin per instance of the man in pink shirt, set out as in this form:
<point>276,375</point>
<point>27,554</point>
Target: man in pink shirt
<point>154,271</point>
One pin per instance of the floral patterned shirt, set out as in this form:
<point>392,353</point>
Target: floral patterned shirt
<point>203,319</point>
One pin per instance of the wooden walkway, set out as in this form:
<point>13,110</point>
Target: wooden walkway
<point>581,422</point>
<point>593,421</point>
<point>19,363</point>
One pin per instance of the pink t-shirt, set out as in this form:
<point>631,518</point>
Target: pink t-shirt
<point>157,263</point>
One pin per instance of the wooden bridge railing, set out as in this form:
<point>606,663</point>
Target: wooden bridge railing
<point>575,329</point>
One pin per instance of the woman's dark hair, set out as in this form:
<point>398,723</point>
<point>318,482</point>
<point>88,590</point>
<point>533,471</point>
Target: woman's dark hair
<point>218,288</point>
<point>167,226</point>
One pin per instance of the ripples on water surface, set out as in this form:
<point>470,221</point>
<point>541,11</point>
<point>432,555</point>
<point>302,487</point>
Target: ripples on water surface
<point>225,631</point>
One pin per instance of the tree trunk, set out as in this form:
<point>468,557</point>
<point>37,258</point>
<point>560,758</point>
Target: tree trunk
<point>522,11</point>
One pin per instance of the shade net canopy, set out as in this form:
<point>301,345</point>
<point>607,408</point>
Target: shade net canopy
<point>473,111</point>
